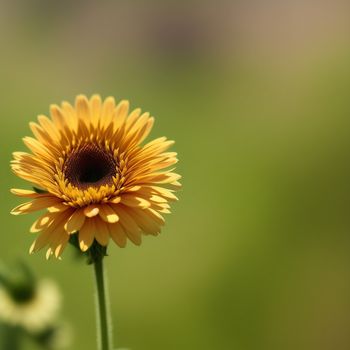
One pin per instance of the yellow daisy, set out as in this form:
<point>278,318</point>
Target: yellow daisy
<point>96,177</point>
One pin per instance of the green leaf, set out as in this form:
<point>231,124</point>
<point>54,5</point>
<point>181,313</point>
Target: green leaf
<point>39,190</point>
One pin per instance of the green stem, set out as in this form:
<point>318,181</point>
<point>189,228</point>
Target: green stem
<point>102,308</point>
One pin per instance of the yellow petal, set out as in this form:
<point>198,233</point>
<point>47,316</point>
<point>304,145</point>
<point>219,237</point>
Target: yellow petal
<point>107,112</point>
<point>25,193</point>
<point>122,109</point>
<point>155,216</point>
<point>39,133</point>
<point>59,246</point>
<point>164,192</point>
<point>49,233</point>
<point>95,105</point>
<point>108,214</point>
<point>102,232</point>
<point>132,230</point>
<point>82,108</point>
<point>70,116</point>
<point>57,117</point>
<point>86,235</point>
<point>134,236</point>
<point>147,224</point>
<point>42,240</point>
<point>118,234</point>
<point>59,249</point>
<point>75,222</point>
<point>38,148</point>
<point>49,252</point>
<point>36,204</point>
<point>147,130</point>
<point>133,201</point>
<point>157,191</point>
<point>115,200</point>
<point>132,118</point>
<point>42,222</point>
<point>59,207</point>
<point>91,211</point>
<point>49,128</point>
<point>158,199</point>
<point>175,185</point>
<point>133,189</point>
<point>162,178</point>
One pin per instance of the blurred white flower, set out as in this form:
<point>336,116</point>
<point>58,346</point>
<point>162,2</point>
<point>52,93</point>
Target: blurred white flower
<point>62,337</point>
<point>36,312</point>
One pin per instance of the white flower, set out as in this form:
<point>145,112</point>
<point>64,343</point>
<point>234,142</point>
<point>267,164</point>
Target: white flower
<point>62,337</point>
<point>34,314</point>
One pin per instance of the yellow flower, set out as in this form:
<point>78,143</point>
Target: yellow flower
<point>98,178</point>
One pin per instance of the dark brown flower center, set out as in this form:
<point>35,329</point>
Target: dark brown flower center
<point>90,166</point>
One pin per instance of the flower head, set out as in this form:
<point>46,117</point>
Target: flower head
<point>96,177</point>
<point>34,311</point>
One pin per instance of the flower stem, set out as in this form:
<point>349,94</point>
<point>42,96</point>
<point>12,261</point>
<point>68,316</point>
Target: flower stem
<point>104,327</point>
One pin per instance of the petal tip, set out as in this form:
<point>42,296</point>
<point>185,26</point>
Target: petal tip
<point>83,246</point>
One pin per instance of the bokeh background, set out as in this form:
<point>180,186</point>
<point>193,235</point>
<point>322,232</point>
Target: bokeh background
<point>256,95</point>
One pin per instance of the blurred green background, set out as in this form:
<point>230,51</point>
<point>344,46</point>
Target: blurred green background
<point>256,95</point>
